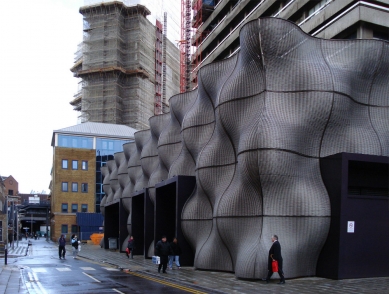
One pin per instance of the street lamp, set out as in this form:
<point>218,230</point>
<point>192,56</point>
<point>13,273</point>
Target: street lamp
<point>18,214</point>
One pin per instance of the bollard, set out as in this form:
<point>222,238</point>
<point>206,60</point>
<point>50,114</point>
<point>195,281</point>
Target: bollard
<point>5,255</point>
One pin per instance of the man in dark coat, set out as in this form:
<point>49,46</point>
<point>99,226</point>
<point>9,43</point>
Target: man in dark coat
<point>275,254</point>
<point>163,250</point>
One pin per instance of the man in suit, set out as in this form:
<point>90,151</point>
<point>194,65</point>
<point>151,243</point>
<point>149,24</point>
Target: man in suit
<point>275,254</point>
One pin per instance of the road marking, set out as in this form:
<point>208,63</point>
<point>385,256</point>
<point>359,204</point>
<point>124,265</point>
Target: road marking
<point>117,291</point>
<point>190,290</point>
<point>63,269</point>
<point>37,286</point>
<point>91,277</point>
<point>30,277</point>
<point>111,269</point>
<point>35,277</point>
<point>39,270</point>
<point>87,268</point>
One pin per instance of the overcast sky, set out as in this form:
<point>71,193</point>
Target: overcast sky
<point>38,42</point>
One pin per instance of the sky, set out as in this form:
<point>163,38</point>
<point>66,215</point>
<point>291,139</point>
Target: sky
<point>38,42</point>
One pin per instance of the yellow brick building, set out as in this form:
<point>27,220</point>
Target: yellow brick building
<point>76,180</point>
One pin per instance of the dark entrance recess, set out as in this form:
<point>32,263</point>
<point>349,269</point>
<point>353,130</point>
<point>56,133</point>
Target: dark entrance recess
<point>123,232</point>
<point>138,221</point>
<point>111,223</point>
<point>358,187</point>
<point>171,196</point>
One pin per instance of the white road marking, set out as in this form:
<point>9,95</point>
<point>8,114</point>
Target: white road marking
<point>30,277</point>
<point>39,270</point>
<point>87,268</point>
<point>118,291</point>
<point>92,277</point>
<point>111,269</point>
<point>37,286</point>
<point>35,277</point>
<point>63,269</point>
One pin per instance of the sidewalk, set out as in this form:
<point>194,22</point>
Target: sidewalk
<point>226,282</point>
<point>10,278</point>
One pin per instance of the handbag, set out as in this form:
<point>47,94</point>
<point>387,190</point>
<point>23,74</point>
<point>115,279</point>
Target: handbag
<point>274,266</point>
<point>79,247</point>
<point>156,260</point>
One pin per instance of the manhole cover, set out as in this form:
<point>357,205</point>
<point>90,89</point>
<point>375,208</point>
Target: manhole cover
<point>70,285</point>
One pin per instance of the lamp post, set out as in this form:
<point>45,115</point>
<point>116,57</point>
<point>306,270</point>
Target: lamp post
<point>6,235</point>
<point>17,225</point>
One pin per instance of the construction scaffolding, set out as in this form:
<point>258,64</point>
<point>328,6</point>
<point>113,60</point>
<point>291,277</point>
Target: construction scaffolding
<point>119,65</point>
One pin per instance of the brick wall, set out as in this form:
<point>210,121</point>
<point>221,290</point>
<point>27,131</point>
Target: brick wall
<point>69,175</point>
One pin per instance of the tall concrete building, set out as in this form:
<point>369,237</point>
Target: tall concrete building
<point>126,65</point>
<point>218,22</point>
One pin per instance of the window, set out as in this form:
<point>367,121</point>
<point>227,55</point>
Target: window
<point>84,165</point>
<point>74,229</point>
<point>64,186</point>
<point>64,229</point>
<point>75,141</point>
<point>84,187</point>
<point>10,192</point>
<point>64,207</point>
<point>64,163</point>
<point>74,187</point>
<point>74,208</point>
<point>84,207</point>
<point>74,164</point>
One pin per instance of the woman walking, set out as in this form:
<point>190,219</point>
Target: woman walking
<point>75,243</point>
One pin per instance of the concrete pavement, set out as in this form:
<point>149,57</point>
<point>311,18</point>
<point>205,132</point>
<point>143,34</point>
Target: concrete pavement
<point>204,281</point>
<point>227,283</point>
<point>10,278</point>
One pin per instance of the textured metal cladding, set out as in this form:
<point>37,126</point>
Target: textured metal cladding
<point>169,143</point>
<point>253,133</point>
<point>349,129</point>
<point>183,164</point>
<point>141,139</point>
<point>353,65</point>
<point>287,100</point>
<point>196,232</point>
<point>102,205</point>
<point>106,183</point>
<point>157,125</point>
<point>215,164</point>
<point>113,179</point>
<point>379,120</point>
<point>133,171</point>
<point>380,86</point>
<point>121,166</point>
<point>293,60</point>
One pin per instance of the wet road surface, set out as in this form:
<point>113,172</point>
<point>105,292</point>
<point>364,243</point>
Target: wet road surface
<point>43,272</point>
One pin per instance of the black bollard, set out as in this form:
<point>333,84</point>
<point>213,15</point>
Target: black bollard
<point>5,255</point>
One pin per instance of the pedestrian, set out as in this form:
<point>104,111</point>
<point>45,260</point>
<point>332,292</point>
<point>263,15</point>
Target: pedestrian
<point>61,247</point>
<point>163,250</point>
<point>75,244</point>
<point>176,249</point>
<point>275,254</point>
<point>130,247</point>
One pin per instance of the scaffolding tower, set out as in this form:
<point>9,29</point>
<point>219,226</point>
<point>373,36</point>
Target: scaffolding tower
<point>121,65</point>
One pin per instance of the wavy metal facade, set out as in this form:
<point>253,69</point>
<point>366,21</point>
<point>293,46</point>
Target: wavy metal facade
<point>253,133</point>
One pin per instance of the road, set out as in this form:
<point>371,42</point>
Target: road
<point>43,272</point>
